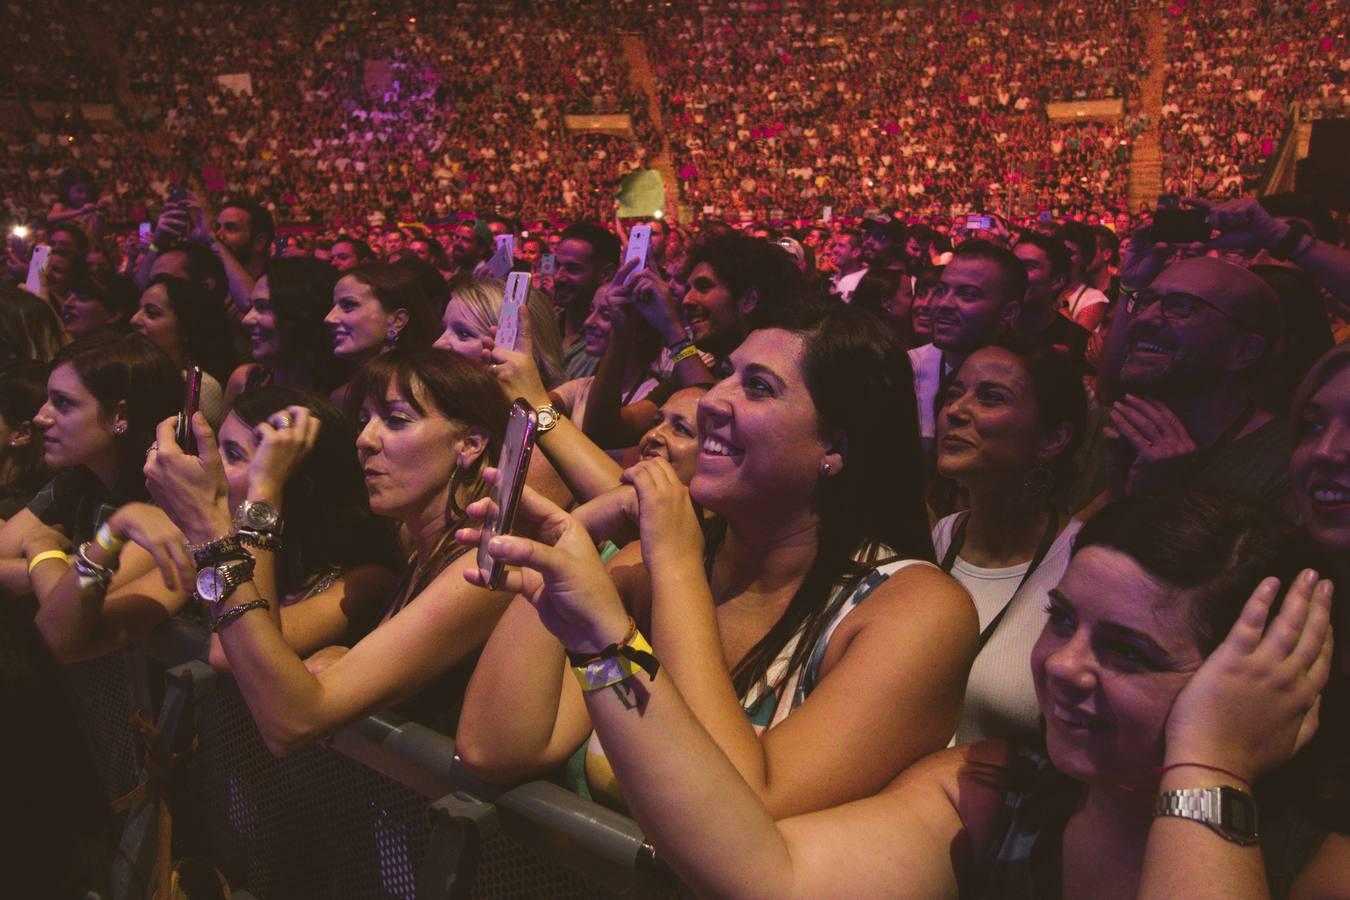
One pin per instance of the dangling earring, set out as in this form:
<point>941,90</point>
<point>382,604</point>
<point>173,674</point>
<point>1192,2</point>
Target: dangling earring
<point>391,337</point>
<point>120,428</point>
<point>1039,481</point>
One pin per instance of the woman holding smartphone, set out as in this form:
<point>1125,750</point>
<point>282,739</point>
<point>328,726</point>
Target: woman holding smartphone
<point>802,619</point>
<point>431,420</point>
<point>331,574</point>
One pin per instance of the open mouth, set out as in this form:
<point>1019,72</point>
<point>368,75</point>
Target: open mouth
<point>1329,496</point>
<point>1149,347</point>
<point>716,447</point>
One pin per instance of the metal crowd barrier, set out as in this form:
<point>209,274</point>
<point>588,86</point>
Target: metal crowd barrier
<point>380,809</point>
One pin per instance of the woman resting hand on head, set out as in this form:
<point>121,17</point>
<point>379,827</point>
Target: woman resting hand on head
<point>1162,674</point>
<point>431,419</point>
<point>808,615</point>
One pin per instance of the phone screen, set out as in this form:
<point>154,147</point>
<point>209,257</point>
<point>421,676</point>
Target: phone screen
<point>512,463</point>
<point>979,223</point>
<point>548,265</point>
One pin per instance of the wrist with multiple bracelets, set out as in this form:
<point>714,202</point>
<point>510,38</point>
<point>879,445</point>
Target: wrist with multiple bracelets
<point>682,350</point>
<point>226,562</point>
<point>615,663</point>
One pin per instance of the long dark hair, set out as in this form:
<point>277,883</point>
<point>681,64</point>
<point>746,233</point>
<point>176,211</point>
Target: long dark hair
<point>461,390</point>
<point>300,292</point>
<point>29,328</point>
<point>329,524</point>
<point>861,384</point>
<point>23,390</point>
<point>203,326</point>
<point>133,371</point>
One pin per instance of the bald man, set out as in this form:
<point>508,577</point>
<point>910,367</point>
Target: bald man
<point>1195,342</point>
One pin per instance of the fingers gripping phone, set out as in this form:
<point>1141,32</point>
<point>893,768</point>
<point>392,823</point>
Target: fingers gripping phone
<point>638,241</point>
<point>508,320</point>
<point>192,401</point>
<point>512,464</point>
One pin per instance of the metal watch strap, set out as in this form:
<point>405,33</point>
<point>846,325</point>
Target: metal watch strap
<point>1215,807</point>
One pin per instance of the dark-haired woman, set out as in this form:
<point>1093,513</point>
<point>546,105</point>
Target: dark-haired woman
<point>1007,430</point>
<point>97,302</point>
<point>23,390</point>
<point>888,294</point>
<point>336,556</point>
<point>432,419</point>
<point>29,329</point>
<point>799,629</point>
<point>104,397</point>
<point>289,341</point>
<point>181,319</point>
<point>376,307</point>
<point>1164,694</point>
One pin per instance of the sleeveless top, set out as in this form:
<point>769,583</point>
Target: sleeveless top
<point>766,704</point>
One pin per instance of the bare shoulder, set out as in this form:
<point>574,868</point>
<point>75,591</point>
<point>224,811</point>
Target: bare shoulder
<point>917,592</point>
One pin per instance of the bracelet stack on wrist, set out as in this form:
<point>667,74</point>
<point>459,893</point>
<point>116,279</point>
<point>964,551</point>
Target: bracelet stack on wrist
<point>615,663</point>
<point>230,615</point>
<point>90,572</point>
<point>681,351</point>
<point>109,541</point>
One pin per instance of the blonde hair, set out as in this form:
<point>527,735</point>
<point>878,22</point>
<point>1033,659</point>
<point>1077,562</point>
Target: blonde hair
<point>482,297</point>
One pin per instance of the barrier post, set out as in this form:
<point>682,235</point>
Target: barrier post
<point>460,825</point>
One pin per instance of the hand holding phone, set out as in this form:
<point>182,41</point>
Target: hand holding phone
<point>548,265</point>
<point>192,401</point>
<point>508,320</point>
<point>638,241</point>
<point>37,271</point>
<point>512,464</point>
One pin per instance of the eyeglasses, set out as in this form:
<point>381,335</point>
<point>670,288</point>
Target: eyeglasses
<point>1177,306</point>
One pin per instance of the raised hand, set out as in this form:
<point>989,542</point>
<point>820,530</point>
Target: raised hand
<point>560,573</point>
<point>283,441</point>
<point>516,370</point>
<point>192,490</point>
<point>1253,704</point>
<point>1163,449</point>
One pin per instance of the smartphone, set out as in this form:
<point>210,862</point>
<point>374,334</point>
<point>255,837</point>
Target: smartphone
<point>826,214</point>
<point>512,464</point>
<point>177,193</point>
<point>508,320</point>
<point>638,241</point>
<point>1045,217</point>
<point>147,233</point>
<point>1180,226</point>
<point>505,258</point>
<point>979,223</point>
<point>192,401</point>
<point>548,265</point>
<point>37,269</point>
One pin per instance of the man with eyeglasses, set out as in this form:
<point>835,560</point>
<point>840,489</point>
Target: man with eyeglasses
<point>1196,341</point>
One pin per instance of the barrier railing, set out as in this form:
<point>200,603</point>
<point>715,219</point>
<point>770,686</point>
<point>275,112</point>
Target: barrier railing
<point>380,809</point>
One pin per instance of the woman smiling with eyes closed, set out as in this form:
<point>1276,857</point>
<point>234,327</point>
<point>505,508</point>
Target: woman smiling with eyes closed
<point>793,630</point>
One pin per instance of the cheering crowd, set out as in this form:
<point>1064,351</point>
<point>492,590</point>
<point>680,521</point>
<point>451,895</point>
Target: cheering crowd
<point>908,549</point>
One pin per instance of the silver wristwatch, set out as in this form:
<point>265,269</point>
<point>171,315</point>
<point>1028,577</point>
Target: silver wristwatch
<point>258,516</point>
<point>1229,812</point>
<point>215,583</point>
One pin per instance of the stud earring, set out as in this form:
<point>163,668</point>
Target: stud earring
<point>825,468</point>
<point>120,428</point>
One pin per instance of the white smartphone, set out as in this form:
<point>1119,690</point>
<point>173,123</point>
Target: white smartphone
<point>147,233</point>
<point>508,320</point>
<point>827,213</point>
<point>505,258</point>
<point>638,241</point>
<point>512,464</point>
<point>37,268</point>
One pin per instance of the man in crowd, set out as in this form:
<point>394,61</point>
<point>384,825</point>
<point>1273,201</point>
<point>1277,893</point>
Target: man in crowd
<point>588,256</point>
<point>1192,346</point>
<point>349,252</point>
<point>1081,301</point>
<point>978,298</point>
<point>1047,266</point>
<point>241,238</point>
<point>849,268</point>
<point>471,245</point>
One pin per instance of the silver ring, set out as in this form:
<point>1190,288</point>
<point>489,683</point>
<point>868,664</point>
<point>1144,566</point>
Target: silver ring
<point>282,421</point>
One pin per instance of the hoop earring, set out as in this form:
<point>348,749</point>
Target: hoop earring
<point>1039,481</point>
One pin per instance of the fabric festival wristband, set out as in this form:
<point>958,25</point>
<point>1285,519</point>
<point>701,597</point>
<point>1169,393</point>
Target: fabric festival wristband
<point>617,663</point>
<point>691,350</point>
<point>109,541</point>
<point>46,555</point>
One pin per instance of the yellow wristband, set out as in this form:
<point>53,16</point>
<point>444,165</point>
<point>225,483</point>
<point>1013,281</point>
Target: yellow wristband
<point>691,350</point>
<point>46,555</point>
<point>109,541</point>
<point>602,672</point>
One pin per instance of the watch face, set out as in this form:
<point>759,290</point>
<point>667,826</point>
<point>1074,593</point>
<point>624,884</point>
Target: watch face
<point>547,418</point>
<point>260,515</point>
<point>210,583</point>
